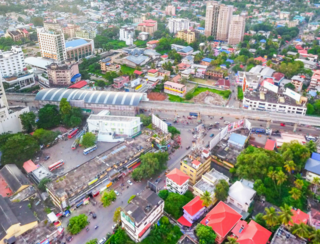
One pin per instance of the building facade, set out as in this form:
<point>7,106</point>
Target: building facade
<point>70,30</point>
<point>120,82</point>
<point>79,48</point>
<point>177,181</point>
<point>149,26</point>
<point>187,35</point>
<point>87,34</point>
<point>127,34</point>
<point>12,62</point>
<point>170,10</point>
<point>236,29</point>
<point>61,74</point>
<point>176,25</point>
<point>297,81</point>
<point>17,34</point>
<point>176,89</point>
<point>52,44</point>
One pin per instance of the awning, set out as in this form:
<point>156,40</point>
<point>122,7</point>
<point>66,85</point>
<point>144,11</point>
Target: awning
<point>135,166</point>
<point>182,220</point>
<point>144,229</point>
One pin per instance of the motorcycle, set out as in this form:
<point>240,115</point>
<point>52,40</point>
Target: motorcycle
<point>96,227</point>
<point>87,229</point>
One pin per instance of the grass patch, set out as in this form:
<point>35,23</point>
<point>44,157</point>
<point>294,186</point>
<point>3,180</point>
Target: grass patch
<point>127,70</point>
<point>240,93</point>
<point>140,43</point>
<point>116,44</point>
<point>176,99</point>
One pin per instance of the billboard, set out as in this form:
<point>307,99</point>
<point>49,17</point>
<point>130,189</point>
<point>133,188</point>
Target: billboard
<point>244,83</point>
<point>270,86</point>
<point>223,132</point>
<point>215,141</point>
<point>292,94</point>
<point>160,124</point>
<point>247,124</point>
<point>235,125</point>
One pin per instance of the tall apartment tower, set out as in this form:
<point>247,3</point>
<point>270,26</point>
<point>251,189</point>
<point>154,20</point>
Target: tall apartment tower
<point>176,25</point>
<point>236,29</point>
<point>12,62</point>
<point>52,44</point>
<point>218,17</point>
<point>170,10</point>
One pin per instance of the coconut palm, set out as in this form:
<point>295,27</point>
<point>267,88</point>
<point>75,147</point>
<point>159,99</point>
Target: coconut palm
<point>300,230</point>
<point>315,236</point>
<point>280,177</point>
<point>231,240</point>
<point>273,175</point>
<point>289,166</point>
<point>271,216</point>
<point>299,184</point>
<point>285,215</point>
<point>206,198</point>
<point>295,193</point>
<point>316,183</point>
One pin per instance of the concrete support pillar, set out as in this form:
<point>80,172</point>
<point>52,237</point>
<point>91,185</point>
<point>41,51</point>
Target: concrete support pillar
<point>268,124</point>
<point>295,127</point>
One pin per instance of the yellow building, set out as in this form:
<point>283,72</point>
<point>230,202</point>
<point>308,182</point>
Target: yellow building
<point>187,35</point>
<point>16,219</point>
<point>195,166</point>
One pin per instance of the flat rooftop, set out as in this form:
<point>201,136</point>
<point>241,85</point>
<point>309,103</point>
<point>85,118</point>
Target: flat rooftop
<point>76,43</point>
<point>108,162</point>
<point>113,118</point>
<point>193,156</point>
<point>203,186</point>
<point>215,176</point>
<point>283,236</point>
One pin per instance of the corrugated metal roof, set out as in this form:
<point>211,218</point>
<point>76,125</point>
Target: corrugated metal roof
<point>97,97</point>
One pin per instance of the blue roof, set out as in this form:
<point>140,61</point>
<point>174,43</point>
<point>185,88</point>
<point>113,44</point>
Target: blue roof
<point>312,93</point>
<point>225,51</point>
<point>313,166</point>
<point>186,49</point>
<point>198,15</point>
<point>315,156</point>
<point>230,61</point>
<point>298,40</point>
<point>278,26</point>
<point>200,28</point>
<point>238,139</point>
<point>263,41</point>
<point>74,78</point>
<point>75,43</point>
<point>207,60</point>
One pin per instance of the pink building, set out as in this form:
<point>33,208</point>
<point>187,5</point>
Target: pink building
<point>315,79</point>
<point>170,10</point>
<point>62,74</point>
<point>120,82</point>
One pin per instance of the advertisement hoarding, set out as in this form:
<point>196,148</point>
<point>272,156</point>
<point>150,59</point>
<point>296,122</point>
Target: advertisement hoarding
<point>235,125</point>
<point>292,94</point>
<point>160,124</point>
<point>270,86</point>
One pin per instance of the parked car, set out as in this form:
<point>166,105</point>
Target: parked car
<point>129,182</point>
<point>94,215</point>
<point>116,192</point>
<point>46,158</point>
<point>157,181</point>
<point>282,124</point>
<point>69,238</point>
<point>212,135</point>
<point>102,241</point>
<point>188,147</point>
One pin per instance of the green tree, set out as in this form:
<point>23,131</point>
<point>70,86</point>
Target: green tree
<point>295,193</point>
<point>281,178</point>
<point>73,119</point>
<point>206,199</point>
<point>28,121</point>
<point>146,120</point>
<point>316,183</point>
<point>65,107</point>
<point>231,240</point>
<point>315,236</point>
<point>205,234</point>
<point>271,217</point>
<point>42,184</point>
<point>300,230</point>
<point>49,117</point>
<point>77,223</point>
<point>289,166</point>
<point>45,137</point>
<point>18,149</point>
<point>296,152</point>
<point>221,190</point>
<point>173,130</point>
<point>37,21</point>
<point>174,203</point>
<point>88,140</point>
<point>100,83</point>
<point>311,146</point>
<point>285,215</point>
<point>108,197</point>
<point>163,194</point>
<point>290,86</point>
<point>260,220</point>
<point>4,138</point>
<point>94,241</point>
<point>299,183</point>
<point>116,215</point>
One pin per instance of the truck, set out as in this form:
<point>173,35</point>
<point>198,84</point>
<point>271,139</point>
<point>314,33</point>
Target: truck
<point>193,114</point>
<point>258,130</point>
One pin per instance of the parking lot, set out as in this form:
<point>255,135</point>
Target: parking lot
<point>72,158</point>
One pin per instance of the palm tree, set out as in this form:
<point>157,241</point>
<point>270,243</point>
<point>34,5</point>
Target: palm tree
<point>289,166</point>
<point>295,193</point>
<point>281,177</point>
<point>206,198</point>
<point>315,182</point>
<point>300,230</point>
<point>271,216</point>
<point>299,184</point>
<point>232,240</point>
<point>273,175</point>
<point>285,215</point>
<point>315,236</point>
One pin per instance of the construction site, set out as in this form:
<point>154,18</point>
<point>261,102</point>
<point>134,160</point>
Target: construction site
<point>210,98</point>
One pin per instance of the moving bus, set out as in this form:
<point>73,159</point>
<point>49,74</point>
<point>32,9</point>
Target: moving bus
<point>75,144</point>
<point>258,130</point>
<point>56,165</point>
<point>90,149</point>
<point>73,132</point>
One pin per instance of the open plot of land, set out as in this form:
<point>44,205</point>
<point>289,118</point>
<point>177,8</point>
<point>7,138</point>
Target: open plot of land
<point>127,70</point>
<point>157,96</point>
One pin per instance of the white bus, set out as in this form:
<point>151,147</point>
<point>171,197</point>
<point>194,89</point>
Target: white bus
<point>90,149</point>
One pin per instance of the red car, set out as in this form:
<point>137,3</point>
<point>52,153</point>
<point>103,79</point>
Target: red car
<point>282,124</point>
<point>189,117</point>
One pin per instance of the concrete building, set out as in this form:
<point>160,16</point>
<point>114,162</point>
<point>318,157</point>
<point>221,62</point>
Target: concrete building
<point>176,89</point>
<point>192,211</point>
<point>312,167</point>
<point>170,10</point>
<point>176,25</point>
<point>107,66</point>
<point>16,219</point>
<point>17,35</point>
<point>86,34</point>
<point>149,26</point>
<point>187,35</point>
<point>52,26</point>
<point>195,166</point>
<point>217,21</point>
<point>127,34</point>
<point>12,62</point>
<point>79,48</point>
<point>240,196</point>
<point>70,30</point>
<point>61,74</point>
<point>52,44</point>
<point>120,82</point>
<point>177,181</point>
<point>141,213</point>
<point>113,128</point>
<point>236,29</point>
<point>297,81</point>
<point>315,79</point>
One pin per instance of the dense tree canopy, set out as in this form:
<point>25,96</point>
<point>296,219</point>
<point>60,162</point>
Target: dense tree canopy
<point>77,223</point>
<point>28,121</point>
<point>49,117</point>
<point>88,140</point>
<point>221,190</point>
<point>205,234</point>
<point>45,137</point>
<point>108,197</point>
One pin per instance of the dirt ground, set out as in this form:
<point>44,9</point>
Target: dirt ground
<point>209,98</point>
<point>156,96</point>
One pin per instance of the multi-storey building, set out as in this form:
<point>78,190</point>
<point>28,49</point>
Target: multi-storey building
<point>120,82</point>
<point>149,26</point>
<point>17,35</point>
<point>236,29</point>
<point>87,34</point>
<point>107,66</point>
<point>177,181</point>
<point>52,44</point>
<point>217,22</point>
<point>127,34</point>
<point>187,35</point>
<point>315,79</point>
<point>12,62</point>
<point>170,10</point>
<point>79,48</point>
<point>53,26</point>
<point>70,30</point>
<point>297,81</point>
<point>61,74</point>
<point>195,166</point>
<point>174,88</point>
<point>141,213</point>
<point>176,25</point>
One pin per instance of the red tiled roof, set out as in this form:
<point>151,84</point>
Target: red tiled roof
<point>153,71</point>
<point>196,162</point>
<point>221,219</point>
<point>29,166</point>
<point>178,176</point>
<point>5,190</point>
<point>261,59</point>
<point>252,233</point>
<point>194,206</point>
<point>164,56</point>
<point>79,84</point>
<point>153,42</point>
<point>298,47</point>
<point>299,217</point>
<point>278,76</point>
<point>303,51</point>
<point>137,72</point>
<point>182,220</point>
<point>270,145</point>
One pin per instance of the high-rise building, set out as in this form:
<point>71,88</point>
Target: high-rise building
<point>170,10</point>
<point>176,25</point>
<point>61,74</point>
<point>127,34</point>
<point>149,26</point>
<point>218,17</point>
<point>52,44</point>
<point>236,29</point>
<point>12,62</point>
<point>187,35</point>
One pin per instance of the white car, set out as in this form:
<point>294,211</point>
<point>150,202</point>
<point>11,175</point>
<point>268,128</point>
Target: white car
<point>114,226</point>
<point>117,193</point>
<point>227,122</point>
<point>129,182</point>
<point>103,240</point>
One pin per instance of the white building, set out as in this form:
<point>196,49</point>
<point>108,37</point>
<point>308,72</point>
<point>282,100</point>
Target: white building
<point>127,34</point>
<point>177,181</point>
<point>176,25</point>
<point>241,196</point>
<point>52,44</point>
<point>113,128</point>
<point>12,62</point>
<point>9,116</point>
<point>141,213</point>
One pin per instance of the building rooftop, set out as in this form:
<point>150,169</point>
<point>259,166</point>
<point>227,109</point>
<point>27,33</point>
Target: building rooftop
<point>29,166</point>
<point>39,62</point>
<point>238,139</point>
<point>204,185</point>
<point>177,176</point>
<point>313,166</point>
<point>241,193</point>
<point>270,145</point>
<point>299,217</point>
<point>107,162</point>
<point>283,236</point>
<point>194,206</point>
<point>113,118</point>
<point>78,85</point>
<point>76,43</point>
<point>14,177</point>
<point>194,160</point>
